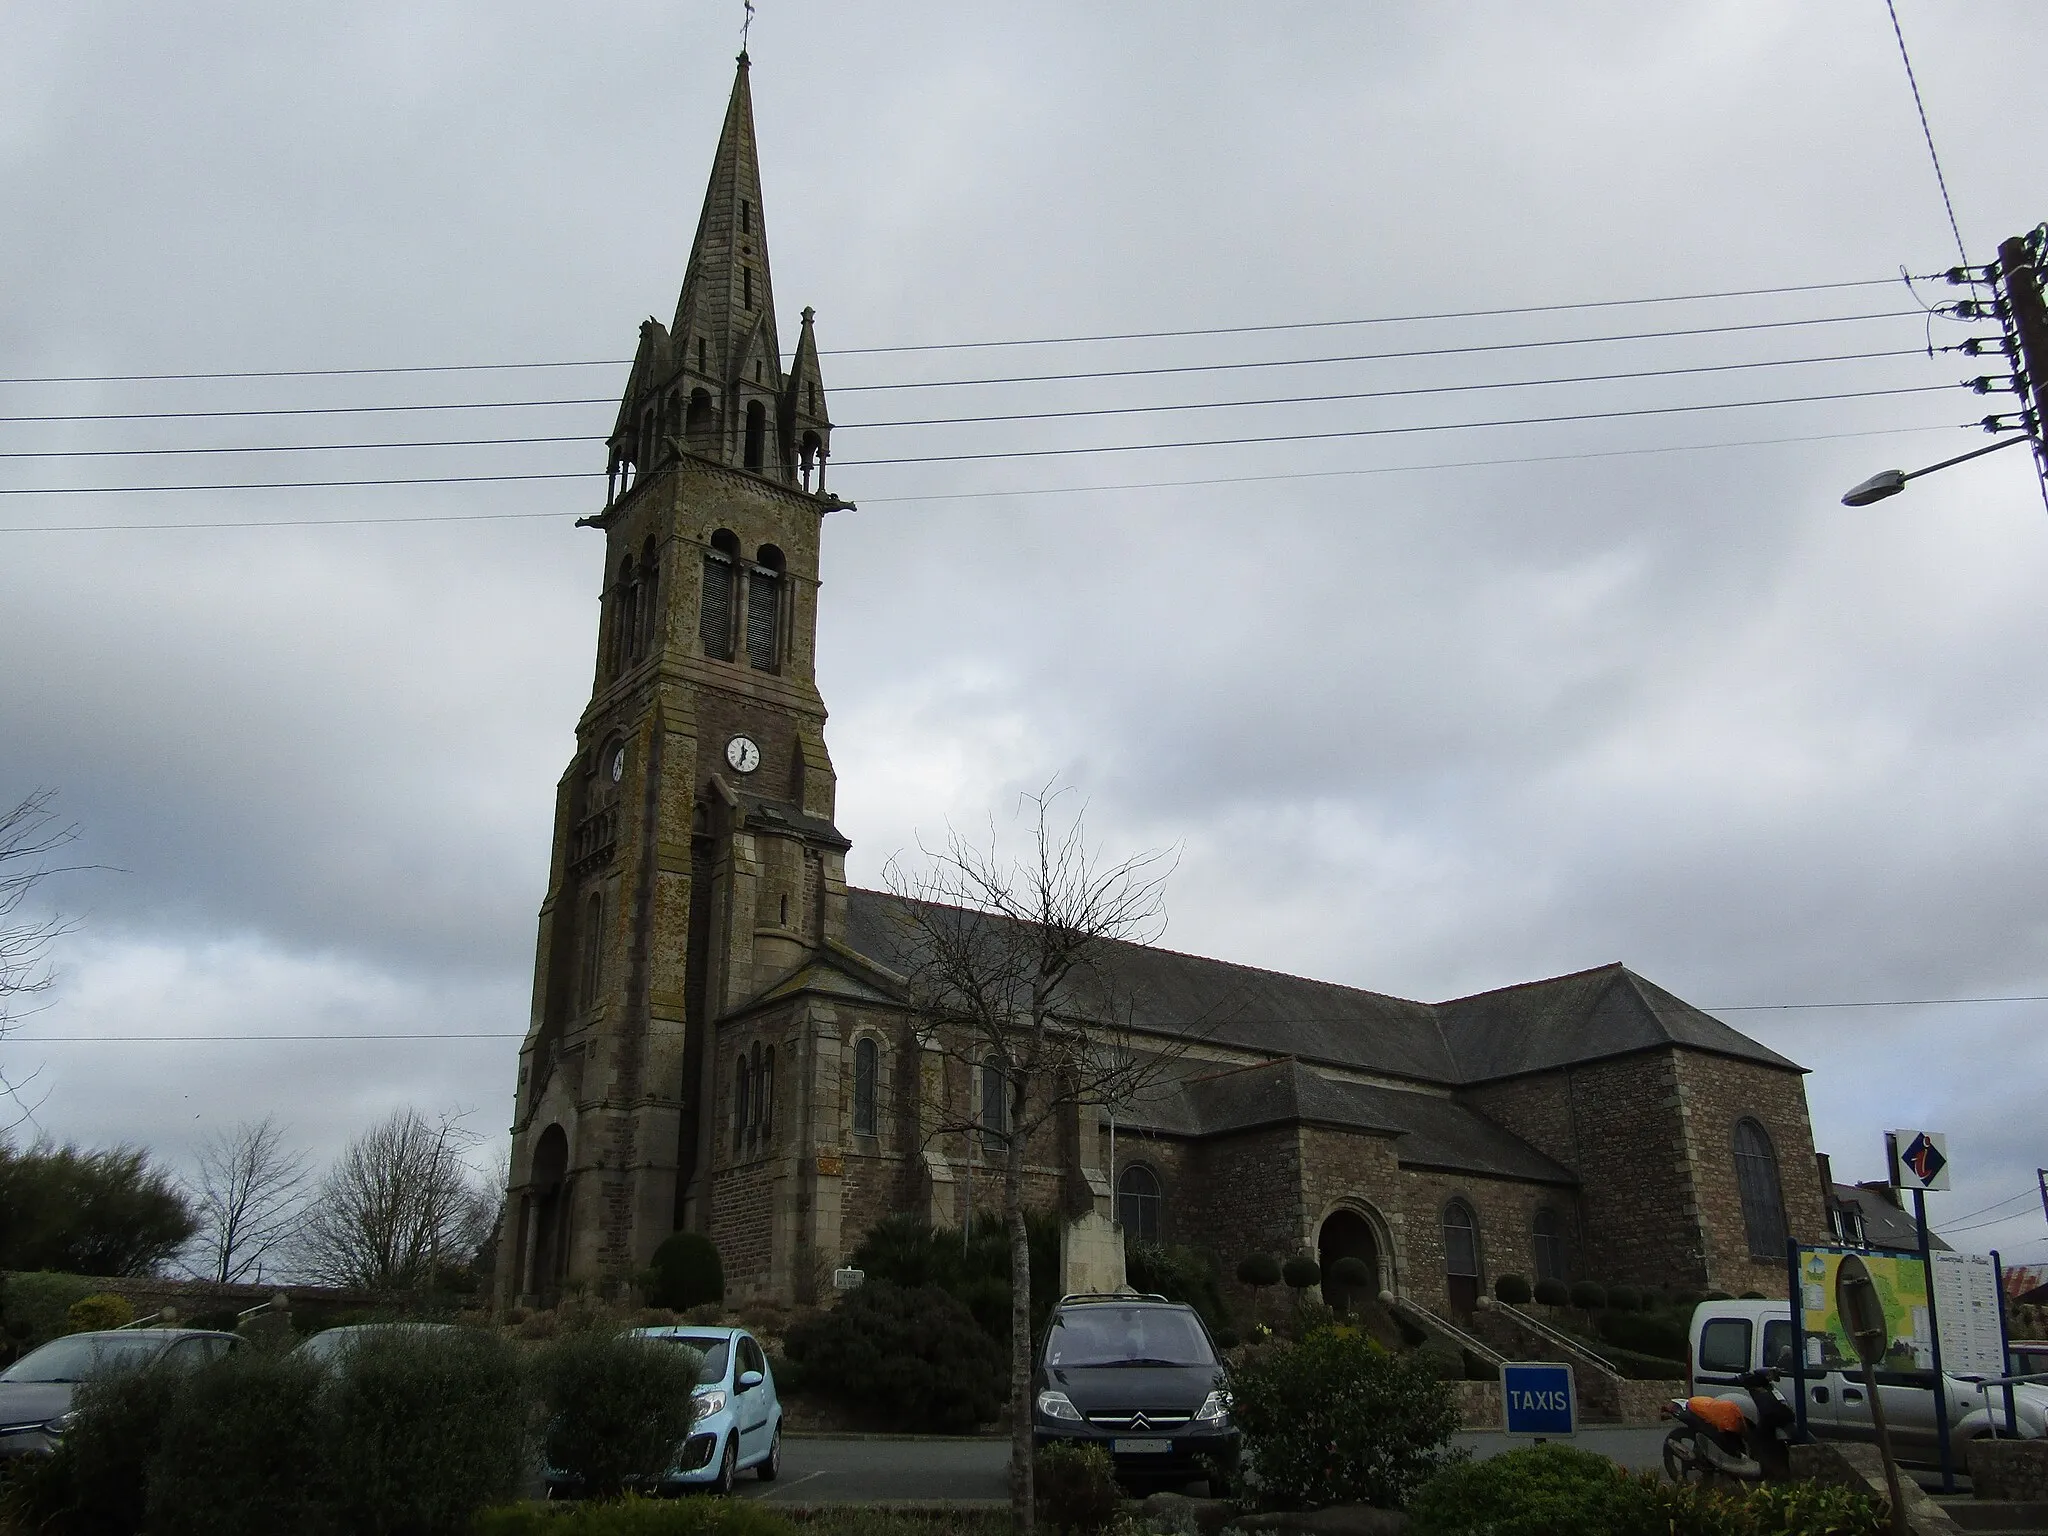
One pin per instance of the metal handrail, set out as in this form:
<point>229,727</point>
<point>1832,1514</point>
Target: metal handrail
<point>2012,1416</point>
<point>1453,1332</point>
<point>1560,1338</point>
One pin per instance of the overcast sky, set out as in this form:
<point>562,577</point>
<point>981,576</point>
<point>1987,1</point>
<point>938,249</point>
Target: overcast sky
<point>1415,722</point>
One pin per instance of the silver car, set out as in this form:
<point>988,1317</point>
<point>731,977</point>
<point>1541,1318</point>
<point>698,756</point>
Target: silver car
<point>36,1391</point>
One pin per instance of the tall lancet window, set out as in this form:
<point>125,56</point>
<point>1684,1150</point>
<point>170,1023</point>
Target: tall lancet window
<point>757,434</point>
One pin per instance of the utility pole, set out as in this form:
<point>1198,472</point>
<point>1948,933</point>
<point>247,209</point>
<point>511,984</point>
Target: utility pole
<point>2026,329</point>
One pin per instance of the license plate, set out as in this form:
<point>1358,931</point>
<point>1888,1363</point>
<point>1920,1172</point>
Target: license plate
<point>1140,1447</point>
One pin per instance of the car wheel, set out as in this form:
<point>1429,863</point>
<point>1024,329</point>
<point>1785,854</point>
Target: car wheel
<point>728,1464</point>
<point>771,1466</point>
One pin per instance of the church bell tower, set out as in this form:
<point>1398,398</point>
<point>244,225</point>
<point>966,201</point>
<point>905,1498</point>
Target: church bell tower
<point>695,857</point>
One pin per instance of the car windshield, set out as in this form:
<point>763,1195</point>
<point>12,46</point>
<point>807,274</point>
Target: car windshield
<point>712,1347</point>
<point>80,1355</point>
<point>329,1343</point>
<point>1112,1335</point>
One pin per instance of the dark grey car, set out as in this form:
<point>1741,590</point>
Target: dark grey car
<point>36,1391</point>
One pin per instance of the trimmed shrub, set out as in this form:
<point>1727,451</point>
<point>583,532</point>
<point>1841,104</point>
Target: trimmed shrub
<point>1178,1274</point>
<point>635,1517</point>
<point>910,1253</point>
<point>1258,1270</point>
<point>1335,1419</point>
<point>1716,1296</point>
<point>1076,1487</point>
<point>429,1427</point>
<point>1309,1317</point>
<point>1589,1295</point>
<point>121,1421</point>
<point>914,1358</point>
<point>1648,1333</point>
<point>1301,1273</point>
<point>618,1409</point>
<point>1624,1298</point>
<point>686,1272</point>
<point>243,1451</point>
<point>89,1314</point>
<point>1547,1489</point>
<point>1513,1290</point>
<point>1553,1293</point>
<point>39,1303</point>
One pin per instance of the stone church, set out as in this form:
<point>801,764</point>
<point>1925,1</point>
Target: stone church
<point>719,1038</point>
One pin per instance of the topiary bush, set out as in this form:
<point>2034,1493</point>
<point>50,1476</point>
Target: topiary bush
<point>1301,1273</point>
<point>89,1314</point>
<point>1553,1293</point>
<point>1335,1419</point>
<point>910,1253</point>
<point>429,1426</point>
<point>686,1272</point>
<point>243,1451</point>
<point>1624,1298</point>
<point>1588,1295</point>
<point>1076,1488</point>
<point>1648,1333</point>
<point>913,1357</point>
<point>1513,1290</point>
<point>618,1408</point>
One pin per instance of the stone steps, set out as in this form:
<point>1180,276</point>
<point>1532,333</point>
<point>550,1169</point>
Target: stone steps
<point>1997,1517</point>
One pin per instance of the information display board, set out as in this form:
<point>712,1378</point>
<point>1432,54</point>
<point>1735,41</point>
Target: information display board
<point>1966,1307</point>
<point>1901,1281</point>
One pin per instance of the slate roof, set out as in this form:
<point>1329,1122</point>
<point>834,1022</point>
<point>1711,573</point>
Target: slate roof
<point>1609,1011</point>
<point>1430,1131</point>
<point>1884,1224</point>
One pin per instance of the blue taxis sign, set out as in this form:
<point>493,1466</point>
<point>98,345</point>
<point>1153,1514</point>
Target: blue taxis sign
<point>1538,1400</point>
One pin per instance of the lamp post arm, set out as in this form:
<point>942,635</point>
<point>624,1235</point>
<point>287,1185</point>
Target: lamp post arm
<point>1964,458</point>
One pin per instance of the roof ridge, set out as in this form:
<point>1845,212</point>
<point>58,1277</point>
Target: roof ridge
<point>1541,981</point>
<point>1243,1066</point>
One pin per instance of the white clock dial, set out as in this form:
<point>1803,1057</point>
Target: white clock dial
<point>618,768</point>
<point>742,754</point>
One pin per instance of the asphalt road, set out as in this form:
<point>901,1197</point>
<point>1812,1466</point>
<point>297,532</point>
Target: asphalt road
<point>827,1469</point>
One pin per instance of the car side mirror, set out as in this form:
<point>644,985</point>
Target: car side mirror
<point>750,1379</point>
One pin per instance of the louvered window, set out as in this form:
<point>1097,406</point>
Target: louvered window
<point>1756,1176</point>
<point>764,618</point>
<point>714,620</point>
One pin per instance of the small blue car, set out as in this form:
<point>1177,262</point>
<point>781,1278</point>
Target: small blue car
<point>738,1426</point>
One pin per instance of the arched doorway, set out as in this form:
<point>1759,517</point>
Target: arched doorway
<point>549,1194</point>
<point>1347,1235</point>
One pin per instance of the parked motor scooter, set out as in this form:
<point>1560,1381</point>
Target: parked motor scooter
<point>1722,1437</point>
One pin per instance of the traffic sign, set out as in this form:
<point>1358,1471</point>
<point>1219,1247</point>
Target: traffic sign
<point>1538,1400</point>
<point>1919,1159</point>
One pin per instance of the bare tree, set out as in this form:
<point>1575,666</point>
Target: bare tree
<point>398,1205</point>
<point>1010,976</point>
<point>29,834</point>
<point>249,1197</point>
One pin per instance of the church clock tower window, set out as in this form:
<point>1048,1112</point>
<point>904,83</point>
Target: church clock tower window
<point>757,434</point>
<point>715,609</point>
<point>764,610</point>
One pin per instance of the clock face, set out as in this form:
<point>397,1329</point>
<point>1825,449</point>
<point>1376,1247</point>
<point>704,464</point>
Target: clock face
<point>742,754</point>
<point>618,768</point>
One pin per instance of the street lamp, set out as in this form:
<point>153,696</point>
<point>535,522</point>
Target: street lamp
<point>1889,482</point>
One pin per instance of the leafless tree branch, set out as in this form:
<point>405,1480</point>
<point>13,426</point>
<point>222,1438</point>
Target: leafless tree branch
<point>249,1196</point>
<point>397,1205</point>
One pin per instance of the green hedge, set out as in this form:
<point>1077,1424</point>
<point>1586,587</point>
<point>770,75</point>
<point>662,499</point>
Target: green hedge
<point>1647,1333</point>
<point>1545,1490</point>
<point>915,1359</point>
<point>618,1409</point>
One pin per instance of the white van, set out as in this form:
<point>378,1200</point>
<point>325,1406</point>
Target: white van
<point>1730,1337</point>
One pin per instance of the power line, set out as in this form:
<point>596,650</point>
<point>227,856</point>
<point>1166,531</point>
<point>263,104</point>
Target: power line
<point>1886,1002</point>
<point>940,421</point>
<point>1055,490</point>
<point>1040,378</point>
<point>1927,132</point>
<point>956,346</point>
<point>305,1039</point>
<point>1039,453</point>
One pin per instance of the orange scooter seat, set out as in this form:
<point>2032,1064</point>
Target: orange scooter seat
<point>1717,1411</point>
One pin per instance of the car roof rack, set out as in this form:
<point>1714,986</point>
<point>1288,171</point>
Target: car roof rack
<point>1111,1296</point>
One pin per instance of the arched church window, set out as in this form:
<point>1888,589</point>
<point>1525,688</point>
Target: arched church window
<point>757,434</point>
<point>715,604</point>
<point>1548,1233</point>
<point>1461,1256</point>
<point>593,948</point>
<point>697,420</point>
<point>622,619</point>
<point>764,609</point>
<point>1139,1202</point>
<point>739,1105</point>
<point>1763,1204</point>
<point>867,1071</point>
<point>995,1105</point>
<point>767,1094</point>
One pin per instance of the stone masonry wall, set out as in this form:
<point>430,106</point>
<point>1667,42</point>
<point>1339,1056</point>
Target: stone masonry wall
<point>1715,1092</point>
<point>1506,1212</point>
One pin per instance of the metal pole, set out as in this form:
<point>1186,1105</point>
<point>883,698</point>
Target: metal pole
<point>2004,1348</point>
<point>2027,316</point>
<point>1900,1525</point>
<point>1948,1463</point>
